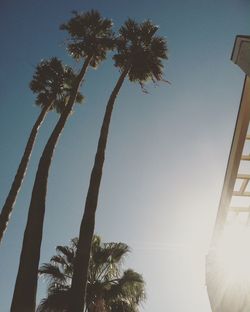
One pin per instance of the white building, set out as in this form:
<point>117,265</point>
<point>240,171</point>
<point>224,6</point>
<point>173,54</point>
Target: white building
<point>228,260</point>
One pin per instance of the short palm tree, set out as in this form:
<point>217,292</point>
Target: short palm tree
<point>108,289</point>
<point>139,56</point>
<point>52,82</point>
<point>91,39</point>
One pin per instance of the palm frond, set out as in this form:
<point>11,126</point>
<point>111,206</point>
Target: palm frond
<point>67,252</point>
<point>52,273</point>
<point>74,243</point>
<point>108,287</point>
<point>55,302</point>
<point>90,35</point>
<point>123,306</point>
<point>139,48</point>
<point>53,83</point>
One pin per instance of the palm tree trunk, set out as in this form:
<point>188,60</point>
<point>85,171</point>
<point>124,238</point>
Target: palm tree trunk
<point>80,274</point>
<point>21,171</point>
<point>24,297</point>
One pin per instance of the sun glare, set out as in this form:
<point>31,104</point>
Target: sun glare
<point>228,274</point>
<point>233,254</point>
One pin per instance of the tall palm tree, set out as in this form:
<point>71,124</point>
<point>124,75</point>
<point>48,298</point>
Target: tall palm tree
<point>108,289</point>
<point>139,56</point>
<point>91,39</point>
<point>52,82</point>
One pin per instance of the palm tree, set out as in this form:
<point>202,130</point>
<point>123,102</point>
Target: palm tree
<point>52,82</point>
<point>108,288</point>
<point>91,39</point>
<point>139,56</point>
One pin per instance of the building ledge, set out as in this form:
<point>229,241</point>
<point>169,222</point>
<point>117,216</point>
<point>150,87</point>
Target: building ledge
<point>241,53</point>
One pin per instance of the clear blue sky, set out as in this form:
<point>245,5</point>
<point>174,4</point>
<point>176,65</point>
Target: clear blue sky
<point>167,151</point>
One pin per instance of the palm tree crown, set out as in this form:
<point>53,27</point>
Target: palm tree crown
<point>90,36</point>
<point>109,289</point>
<point>53,82</point>
<point>140,51</point>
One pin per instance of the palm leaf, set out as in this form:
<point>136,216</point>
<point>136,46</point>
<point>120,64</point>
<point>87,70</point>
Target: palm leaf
<point>67,252</point>
<point>139,48</point>
<point>52,273</point>
<point>53,83</point>
<point>90,35</point>
<point>55,302</point>
<point>108,288</point>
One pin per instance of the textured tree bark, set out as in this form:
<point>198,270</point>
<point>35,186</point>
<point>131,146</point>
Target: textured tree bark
<point>20,174</point>
<point>24,297</point>
<point>80,274</point>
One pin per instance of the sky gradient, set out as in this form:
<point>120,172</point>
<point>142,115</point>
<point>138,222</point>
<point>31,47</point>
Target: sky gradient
<point>167,150</point>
